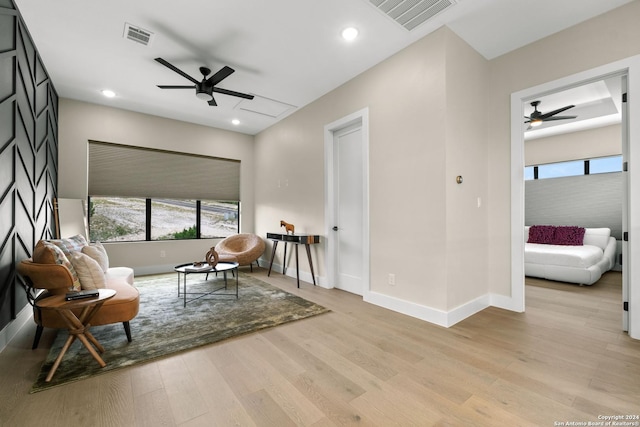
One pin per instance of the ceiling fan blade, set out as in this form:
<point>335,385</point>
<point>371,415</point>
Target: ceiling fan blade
<point>554,112</point>
<point>213,102</point>
<point>220,75</point>
<point>560,118</point>
<point>177,70</point>
<point>175,87</point>
<point>233,93</point>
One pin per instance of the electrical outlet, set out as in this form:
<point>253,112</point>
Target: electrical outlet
<point>163,254</point>
<point>392,279</point>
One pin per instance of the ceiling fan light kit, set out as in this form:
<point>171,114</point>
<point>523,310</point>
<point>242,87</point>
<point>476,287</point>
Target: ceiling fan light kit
<point>536,118</point>
<point>201,93</point>
<point>204,89</point>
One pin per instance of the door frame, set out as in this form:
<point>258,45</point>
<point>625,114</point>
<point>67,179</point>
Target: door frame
<point>631,68</point>
<point>359,117</point>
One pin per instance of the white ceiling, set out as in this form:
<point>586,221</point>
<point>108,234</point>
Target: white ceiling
<point>286,52</point>
<point>596,104</point>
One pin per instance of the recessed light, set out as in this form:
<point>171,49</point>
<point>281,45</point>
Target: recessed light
<point>108,93</point>
<point>349,33</point>
<point>235,122</point>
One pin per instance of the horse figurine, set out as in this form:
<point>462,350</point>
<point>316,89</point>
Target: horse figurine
<point>289,228</point>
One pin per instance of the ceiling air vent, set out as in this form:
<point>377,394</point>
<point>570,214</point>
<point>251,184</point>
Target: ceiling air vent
<point>137,34</point>
<point>411,13</point>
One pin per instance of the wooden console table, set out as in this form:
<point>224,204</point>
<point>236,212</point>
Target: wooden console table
<point>296,239</point>
<point>78,326</point>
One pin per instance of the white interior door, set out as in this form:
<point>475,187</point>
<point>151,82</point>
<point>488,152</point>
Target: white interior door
<point>349,207</point>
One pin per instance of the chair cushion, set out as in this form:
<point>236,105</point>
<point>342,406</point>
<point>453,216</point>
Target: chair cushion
<point>98,253</point>
<point>115,274</point>
<point>89,271</point>
<point>46,252</point>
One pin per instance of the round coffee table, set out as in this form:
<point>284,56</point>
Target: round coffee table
<point>221,267</point>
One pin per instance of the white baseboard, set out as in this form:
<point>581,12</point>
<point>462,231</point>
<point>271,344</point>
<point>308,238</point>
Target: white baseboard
<point>504,302</point>
<point>418,311</point>
<point>10,331</point>
<point>469,309</point>
<point>439,317</point>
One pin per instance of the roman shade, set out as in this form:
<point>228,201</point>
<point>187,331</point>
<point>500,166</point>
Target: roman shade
<point>117,170</point>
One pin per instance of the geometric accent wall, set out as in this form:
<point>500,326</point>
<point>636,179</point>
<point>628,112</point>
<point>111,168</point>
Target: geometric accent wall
<point>28,154</point>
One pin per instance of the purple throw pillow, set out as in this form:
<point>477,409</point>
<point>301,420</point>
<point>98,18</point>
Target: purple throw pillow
<point>544,234</point>
<point>569,236</point>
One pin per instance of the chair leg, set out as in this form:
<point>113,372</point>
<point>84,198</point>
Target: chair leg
<point>36,339</point>
<point>127,330</point>
<point>251,267</point>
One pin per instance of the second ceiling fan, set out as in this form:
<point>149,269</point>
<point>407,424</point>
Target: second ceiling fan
<point>536,118</point>
<point>206,87</point>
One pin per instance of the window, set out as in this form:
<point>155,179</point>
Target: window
<point>555,170</point>
<point>117,219</point>
<point>142,194</point>
<point>605,164</point>
<point>529,173</point>
<point>173,219</point>
<point>574,168</point>
<point>218,219</point>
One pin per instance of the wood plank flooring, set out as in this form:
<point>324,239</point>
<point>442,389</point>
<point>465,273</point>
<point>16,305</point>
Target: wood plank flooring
<point>564,360</point>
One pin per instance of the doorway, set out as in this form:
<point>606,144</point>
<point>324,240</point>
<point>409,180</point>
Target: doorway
<point>347,203</point>
<point>630,70</point>
<point>574,169</point>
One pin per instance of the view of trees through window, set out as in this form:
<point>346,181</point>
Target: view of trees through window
<point>114,219</point>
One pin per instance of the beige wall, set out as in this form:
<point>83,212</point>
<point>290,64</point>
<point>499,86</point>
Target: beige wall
<point>599,41</point>
<point>466,155</point>
<point>423,132</point>
<point>587,144</point>
<point>80,122</point>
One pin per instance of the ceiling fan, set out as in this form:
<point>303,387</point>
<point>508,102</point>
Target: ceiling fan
<point>206,87</point>
<point>538,117</point>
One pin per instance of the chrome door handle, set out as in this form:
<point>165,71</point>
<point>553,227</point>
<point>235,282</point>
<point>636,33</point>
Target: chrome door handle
<point>335,228</point>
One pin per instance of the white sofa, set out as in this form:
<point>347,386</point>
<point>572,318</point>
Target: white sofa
<point>575,264</point>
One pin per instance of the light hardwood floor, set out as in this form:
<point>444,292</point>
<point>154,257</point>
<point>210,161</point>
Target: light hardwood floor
<point>563,360</point>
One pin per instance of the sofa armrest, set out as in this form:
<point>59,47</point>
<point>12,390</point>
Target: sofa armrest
<point>56,278</point>
<point>610,252</point>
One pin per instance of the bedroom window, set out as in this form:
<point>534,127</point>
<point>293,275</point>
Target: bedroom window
<point>574,168</point>
<point>555,170</point>
<point>529,173</point>
<point>141,194</point>
<point>605,165</point>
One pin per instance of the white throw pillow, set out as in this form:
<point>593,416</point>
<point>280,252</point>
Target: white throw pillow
<point>89,271</point>
<point>98,253</point>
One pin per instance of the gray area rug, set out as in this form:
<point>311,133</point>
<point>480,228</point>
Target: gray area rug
<point>163,326</point>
